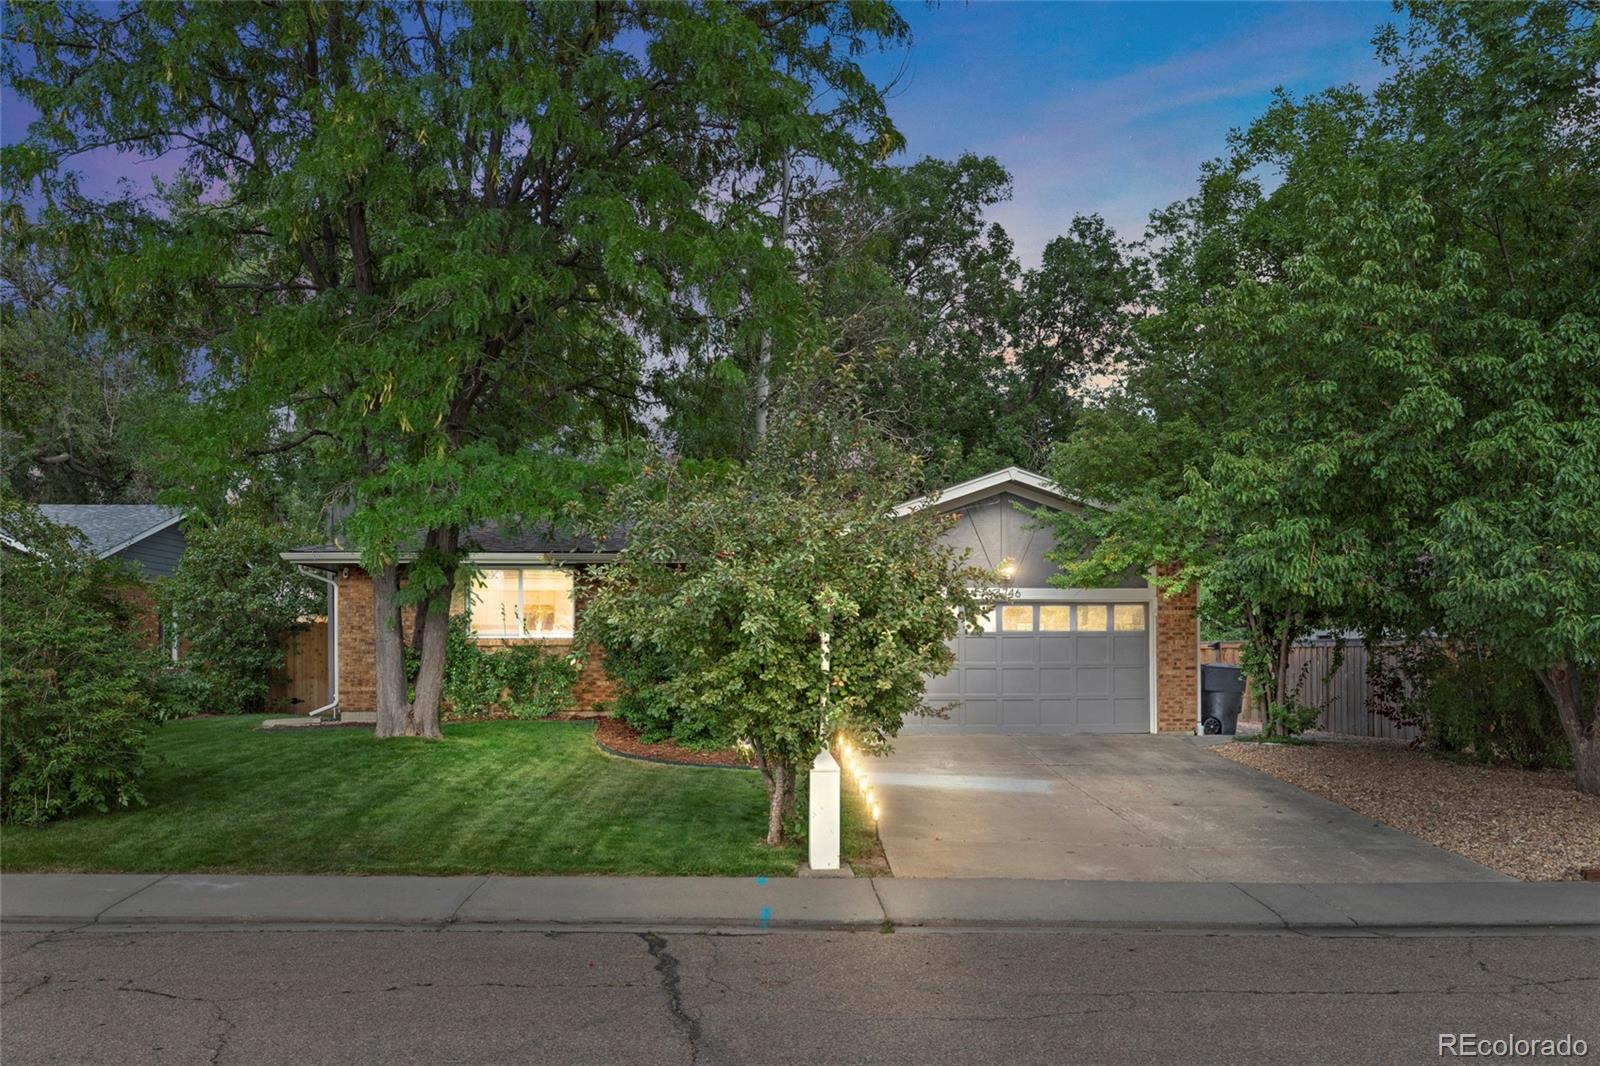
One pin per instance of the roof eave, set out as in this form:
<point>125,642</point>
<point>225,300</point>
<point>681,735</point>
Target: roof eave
<point>137,537</point>
<point>989,484</point>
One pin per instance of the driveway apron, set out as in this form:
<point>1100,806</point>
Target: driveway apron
<point>1126,808</point>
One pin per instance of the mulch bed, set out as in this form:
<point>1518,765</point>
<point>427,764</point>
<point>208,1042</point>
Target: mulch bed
<point>619,738</point>
<point>1534,825</point>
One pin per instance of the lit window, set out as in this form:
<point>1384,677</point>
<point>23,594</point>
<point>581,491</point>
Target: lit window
<point>522,603</point>
<point>1016,619</point>
<point>1055,618</point>
<point>1092,618</point>
<point>1128,617</point>
<point>986,622</point>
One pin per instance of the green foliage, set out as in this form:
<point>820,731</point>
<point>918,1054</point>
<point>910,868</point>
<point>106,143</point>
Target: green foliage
<point>1476,703</point>
<point>232,602</point>
<point>1370,394</point>
<point>523,680</point>
<point>430,247</point>
<point>730,581</point>
<point>1289,718</point>
<point>77,419</point>
<point>77,710</point>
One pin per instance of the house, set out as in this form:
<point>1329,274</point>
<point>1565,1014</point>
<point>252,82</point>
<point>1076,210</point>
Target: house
<point>528,588</point>
<point>1050,660</point>
<point>148,538</point>
<point>1054,660</point>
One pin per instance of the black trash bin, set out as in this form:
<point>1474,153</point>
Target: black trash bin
<point>1221,695</point>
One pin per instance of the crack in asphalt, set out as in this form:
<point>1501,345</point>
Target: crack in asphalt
<point>667,966</point>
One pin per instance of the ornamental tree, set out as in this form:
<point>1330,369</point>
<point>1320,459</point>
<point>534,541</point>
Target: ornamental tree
<point>736,581</point>
<point>427,243</point>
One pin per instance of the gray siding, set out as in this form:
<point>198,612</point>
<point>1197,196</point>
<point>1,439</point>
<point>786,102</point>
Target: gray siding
<point>156,555</point>
<point>995,528</point>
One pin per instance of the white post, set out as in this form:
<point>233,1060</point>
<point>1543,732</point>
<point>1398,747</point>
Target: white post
<point>824,812</point>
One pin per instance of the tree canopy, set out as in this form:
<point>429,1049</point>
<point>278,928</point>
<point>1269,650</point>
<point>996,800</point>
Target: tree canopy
<point>433,244</point>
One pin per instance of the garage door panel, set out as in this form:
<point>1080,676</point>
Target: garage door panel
<point>1129,650</point>
<point>1129,680</point>
<point>1019,681</point>
<point>1132,712</point>
<point>1019,712</point>
<point>1056,713</point>
<point>1056,650</point>
<point>1094,650</point>
<point>1094,681</point>
<point>978,649</point>
<point>1052,679</point>
<point>1094,712</point>
<point>1056,681</point>
<point>982,681</point>
<point>980,712</point>
<point>1018,651</point>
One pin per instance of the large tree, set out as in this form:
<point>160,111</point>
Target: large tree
<point>432,241</point>
<point>1392,354</point>
<point>77,416</point>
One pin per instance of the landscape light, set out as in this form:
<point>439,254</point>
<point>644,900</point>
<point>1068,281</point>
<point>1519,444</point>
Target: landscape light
<point>876,811</point>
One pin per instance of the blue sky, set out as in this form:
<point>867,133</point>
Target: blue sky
<point>1111,107</point>
<point>1107,107</point>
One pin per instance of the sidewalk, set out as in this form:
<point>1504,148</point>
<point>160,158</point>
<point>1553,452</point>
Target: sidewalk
<point>188,901</point>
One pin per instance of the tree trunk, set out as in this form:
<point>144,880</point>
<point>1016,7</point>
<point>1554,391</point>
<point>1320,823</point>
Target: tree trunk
<point>778,785</point>
<point>430,672</point>
<point>1580,718</point>
<point>764,359</point>
<point>389,653</point>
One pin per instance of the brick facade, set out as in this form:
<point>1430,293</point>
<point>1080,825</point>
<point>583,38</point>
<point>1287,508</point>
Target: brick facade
<point>1177,664</point>
<point>358,683</point>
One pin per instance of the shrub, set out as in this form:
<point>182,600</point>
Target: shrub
<point>1486,707</point>
<point>75,688</point>
<point>232,601</point>
<point>520,680</point>
<point>1471,702</point>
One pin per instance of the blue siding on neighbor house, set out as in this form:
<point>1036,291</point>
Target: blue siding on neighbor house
<point>156,555</point>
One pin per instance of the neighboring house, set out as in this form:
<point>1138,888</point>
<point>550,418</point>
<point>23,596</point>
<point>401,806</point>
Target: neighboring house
<point>1051,660</point>
<point>146,537</point>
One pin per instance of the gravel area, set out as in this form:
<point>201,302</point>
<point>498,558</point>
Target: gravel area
<point>1534,825</point>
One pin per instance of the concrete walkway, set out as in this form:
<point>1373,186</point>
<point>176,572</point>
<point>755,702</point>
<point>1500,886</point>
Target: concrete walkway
<point>153,901</point>
<point>1127,808</point>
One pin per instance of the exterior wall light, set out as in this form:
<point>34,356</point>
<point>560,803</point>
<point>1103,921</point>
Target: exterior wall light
<point>1007,568</point>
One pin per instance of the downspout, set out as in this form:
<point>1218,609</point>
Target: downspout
<point>333,638</point>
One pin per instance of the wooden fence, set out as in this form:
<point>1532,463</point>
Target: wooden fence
<point>1342,697</point>
<point>302,685</point>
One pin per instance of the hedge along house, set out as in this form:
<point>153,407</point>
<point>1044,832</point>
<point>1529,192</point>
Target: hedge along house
<point>1057,660</point>
<point>526,588</point>
<point>1051,660</point>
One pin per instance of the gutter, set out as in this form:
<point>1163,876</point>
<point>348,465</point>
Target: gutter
<point>333,638</point>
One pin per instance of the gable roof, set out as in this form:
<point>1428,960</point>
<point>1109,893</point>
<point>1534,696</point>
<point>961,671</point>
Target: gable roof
<point>1013,479</point>
<point>111,527</point>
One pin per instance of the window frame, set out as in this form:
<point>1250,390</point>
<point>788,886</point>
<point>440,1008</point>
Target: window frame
<point>522,606</point>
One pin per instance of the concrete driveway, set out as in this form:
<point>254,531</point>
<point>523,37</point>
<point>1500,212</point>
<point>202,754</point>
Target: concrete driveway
<point>1127,808</point>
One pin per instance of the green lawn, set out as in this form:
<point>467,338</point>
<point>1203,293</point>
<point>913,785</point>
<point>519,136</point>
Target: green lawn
<point>493,797</point>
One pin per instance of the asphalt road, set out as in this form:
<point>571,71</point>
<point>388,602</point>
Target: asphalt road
<point>914,997</point>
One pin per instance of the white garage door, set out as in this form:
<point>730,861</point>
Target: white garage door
<point>1047,668</point>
